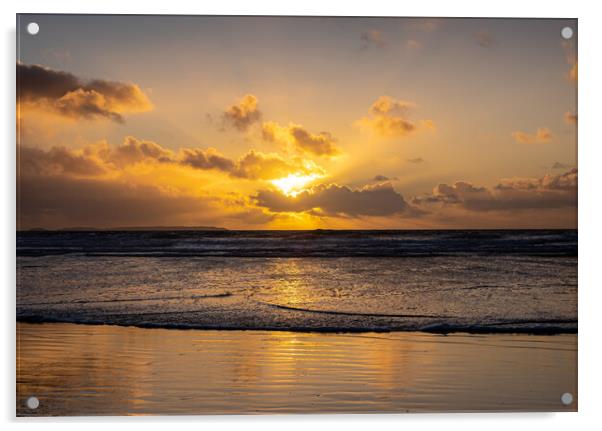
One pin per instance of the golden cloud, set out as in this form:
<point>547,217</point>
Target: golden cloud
<point>257,165</point>
<point>541,136</point>
<point>390,118</point>
<point>298,138</point>
<point>39,87</point>
<point>244,113</point>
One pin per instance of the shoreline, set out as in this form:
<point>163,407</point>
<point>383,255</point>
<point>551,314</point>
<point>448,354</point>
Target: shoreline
<point>106,370</point>
<point>435,329</point>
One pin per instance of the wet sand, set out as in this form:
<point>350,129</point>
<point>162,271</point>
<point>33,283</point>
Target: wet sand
<point>112,370</point>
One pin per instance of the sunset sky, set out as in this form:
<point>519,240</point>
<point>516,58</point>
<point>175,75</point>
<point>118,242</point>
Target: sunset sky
<point>296,123</point>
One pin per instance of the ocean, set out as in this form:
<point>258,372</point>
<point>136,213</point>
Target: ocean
<point>475,281</point>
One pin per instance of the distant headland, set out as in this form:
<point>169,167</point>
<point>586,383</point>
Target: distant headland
<point>126,228</point>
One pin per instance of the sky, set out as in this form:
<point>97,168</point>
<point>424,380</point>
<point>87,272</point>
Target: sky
<point>296,122</point>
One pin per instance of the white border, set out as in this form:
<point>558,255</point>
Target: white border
<point>590,238</point>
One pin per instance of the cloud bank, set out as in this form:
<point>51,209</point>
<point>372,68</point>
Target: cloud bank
<point>548,192</point>
<point>102,158</point>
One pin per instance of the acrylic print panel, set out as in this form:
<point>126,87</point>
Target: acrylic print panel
<point>224,215</point>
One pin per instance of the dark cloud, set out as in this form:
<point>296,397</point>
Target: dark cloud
<point>558,165</point>
<point>550,191</point>
<point>334,200</point>
<point>72,97</point>
<point>416,160</point>
<point>37,82</point>
<point>207,159</point>
<point>57,160</point>
<point>243,114</point>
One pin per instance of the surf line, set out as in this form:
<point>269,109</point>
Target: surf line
<point>98,301</point>
<point>348,313</point>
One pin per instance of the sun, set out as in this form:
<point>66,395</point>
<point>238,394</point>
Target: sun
<point>293,184</point>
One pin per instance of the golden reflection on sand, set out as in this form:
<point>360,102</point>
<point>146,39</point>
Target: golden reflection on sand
<point>110,370</point>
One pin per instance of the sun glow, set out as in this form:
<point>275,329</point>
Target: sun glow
<point>293,184</point>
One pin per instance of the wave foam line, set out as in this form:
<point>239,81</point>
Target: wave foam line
<point>348,313</point>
